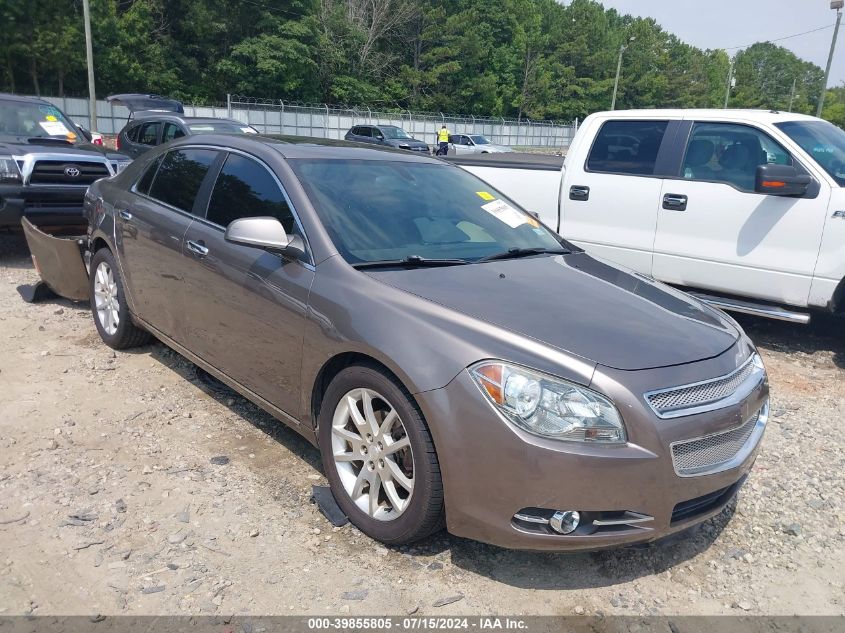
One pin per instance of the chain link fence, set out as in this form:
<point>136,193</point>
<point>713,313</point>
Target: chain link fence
<point>275,116</point>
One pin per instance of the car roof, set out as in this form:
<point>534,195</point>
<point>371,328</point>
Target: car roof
<point>307,147</point>
<point>4,96</point>
<point>767,116</point>
<point>145,115</point>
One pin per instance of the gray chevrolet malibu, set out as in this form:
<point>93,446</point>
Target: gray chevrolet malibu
<point>456,362</point>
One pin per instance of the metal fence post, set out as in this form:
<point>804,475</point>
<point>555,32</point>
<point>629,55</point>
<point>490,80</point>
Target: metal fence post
<point>228,105</point>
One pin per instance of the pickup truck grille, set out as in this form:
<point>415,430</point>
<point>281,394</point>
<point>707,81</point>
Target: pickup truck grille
<point>62,172</point>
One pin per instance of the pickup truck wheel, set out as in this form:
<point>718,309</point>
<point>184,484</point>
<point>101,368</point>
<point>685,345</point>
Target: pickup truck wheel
<point>379,458</point>
<point>109,307</point>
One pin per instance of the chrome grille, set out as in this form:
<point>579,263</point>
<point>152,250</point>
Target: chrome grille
<point>707,454</point>
<point>699,394</point>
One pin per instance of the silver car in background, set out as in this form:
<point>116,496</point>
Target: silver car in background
<point>475,144</point>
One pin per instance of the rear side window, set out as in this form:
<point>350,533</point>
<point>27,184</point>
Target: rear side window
<point>149,133</point>
<point>246,189</point>
<point>365,131</point>
<point>180,175</point>
<point>171,131</point>
<point>627,147</point>
<point>147,179</point>
<point>132,133</point>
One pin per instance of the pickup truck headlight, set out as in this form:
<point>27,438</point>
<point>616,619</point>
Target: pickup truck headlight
<point>549,406</point>
<point>9,171</point>
<point>120,165</point>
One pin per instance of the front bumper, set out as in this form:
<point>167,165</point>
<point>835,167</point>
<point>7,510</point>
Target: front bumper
<point>45,206</point>
<point>492,470</point>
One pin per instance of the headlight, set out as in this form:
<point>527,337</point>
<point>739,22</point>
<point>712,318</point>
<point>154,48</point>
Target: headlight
<point>549,406</point>
<point>9,171</point>
<point>120,165</point>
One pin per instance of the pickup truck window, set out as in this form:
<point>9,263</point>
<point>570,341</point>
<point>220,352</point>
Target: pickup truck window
<point>823,141</point>
<point>627,147</point>
<point>730,153</point>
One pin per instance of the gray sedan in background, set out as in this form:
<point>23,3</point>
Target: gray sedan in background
<point>456,362</point>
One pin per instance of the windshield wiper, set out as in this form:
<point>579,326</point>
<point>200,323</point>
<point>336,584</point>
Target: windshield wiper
<point>514,253</point>
<point>414,261</point>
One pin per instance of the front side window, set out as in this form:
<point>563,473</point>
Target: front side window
<point>627,147</point>
<point>391,131</point>
<point>246,189</point>
<point>180,175</point>
<point>171,131</point>
<point>149,133</point>
<point>730,153</point>
<point>823,141</point>
<point>377,210</point>
<point>480,140</point>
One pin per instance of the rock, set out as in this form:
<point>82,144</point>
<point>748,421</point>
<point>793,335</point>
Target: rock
<point>59,311</point>
<point>253,532</point>
<point>120,505</point>
<point>436,566</point>
<point>442,602</point>
<point>52,444</point>
<point>743,604</point>
<point>579,610</point>
<point>153,589</point>
<point>617,601</point>
<point>793,529</point>
<point>219,460</point>
<point>816,504</point>
<point>184,516</point>
<point>147,470</point>
<point>355,594</point>
<point>177,537</point>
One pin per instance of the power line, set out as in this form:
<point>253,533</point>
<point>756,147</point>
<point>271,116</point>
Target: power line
<point>781,39</point>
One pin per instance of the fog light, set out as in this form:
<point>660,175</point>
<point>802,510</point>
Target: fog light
<point>565,522</point>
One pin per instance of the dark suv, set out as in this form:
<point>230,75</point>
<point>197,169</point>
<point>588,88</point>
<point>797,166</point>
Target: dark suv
<point>149,129</point>
<point>387,135</point>
<point>46,163</point>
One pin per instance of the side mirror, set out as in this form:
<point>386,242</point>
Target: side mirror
<point>380,137</point>
<point>781,180</point>
<point>85,132</point>
<point>266,233</point>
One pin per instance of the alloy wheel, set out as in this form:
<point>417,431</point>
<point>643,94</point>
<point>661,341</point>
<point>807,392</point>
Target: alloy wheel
<point>106,298</point>
<point>372,454</point>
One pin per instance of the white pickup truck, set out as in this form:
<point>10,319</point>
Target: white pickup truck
<point>744,208</point>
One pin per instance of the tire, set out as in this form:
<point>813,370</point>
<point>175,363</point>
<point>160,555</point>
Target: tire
<point>399,516</point>
<point>108,304</point>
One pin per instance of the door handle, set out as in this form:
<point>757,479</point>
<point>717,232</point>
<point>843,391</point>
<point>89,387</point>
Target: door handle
<point>675,202</point>
<point>578,192</point>
<point>197,248</point>
<point>124,215</point>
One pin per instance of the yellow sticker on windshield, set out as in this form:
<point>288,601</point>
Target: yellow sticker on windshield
<point>484,195</point>
<point>50,117</point>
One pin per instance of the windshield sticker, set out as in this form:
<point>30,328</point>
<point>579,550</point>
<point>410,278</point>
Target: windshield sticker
<point>484,195</point>
<point>50,117</point>
<point>504,212</point>
<point>54,128</point>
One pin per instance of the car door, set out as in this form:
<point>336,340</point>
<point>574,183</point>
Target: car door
<point>245,307</point>
<point>461,144</point>
<point>611,190</point>
<point>151,224</point>
<point>715,232</point>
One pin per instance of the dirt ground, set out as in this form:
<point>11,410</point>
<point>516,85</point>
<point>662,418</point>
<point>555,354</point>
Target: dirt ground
<point>110,502</point>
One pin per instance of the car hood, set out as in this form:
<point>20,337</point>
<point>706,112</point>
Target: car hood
<point>21,146</point>
<point>580,305</point>
<point>406,142</point>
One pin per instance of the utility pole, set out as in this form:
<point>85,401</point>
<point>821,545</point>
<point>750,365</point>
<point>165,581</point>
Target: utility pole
<point>791,96</point>
<point>619,71</point>
<point>730,84</point>
<point>835,4</point>
<point>89,54</point>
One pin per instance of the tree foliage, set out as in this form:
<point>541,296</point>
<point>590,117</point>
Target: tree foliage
<point>512,58</point>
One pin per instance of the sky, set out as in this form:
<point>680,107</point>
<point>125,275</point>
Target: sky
<point>730,23</point>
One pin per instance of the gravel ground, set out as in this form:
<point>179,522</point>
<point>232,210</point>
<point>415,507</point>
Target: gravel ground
<point>110,501</point>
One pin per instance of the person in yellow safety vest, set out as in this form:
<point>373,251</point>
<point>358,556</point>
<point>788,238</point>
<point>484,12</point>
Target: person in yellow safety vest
<point>442,142</point>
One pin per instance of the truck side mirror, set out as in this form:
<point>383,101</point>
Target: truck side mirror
<point>781,180</point>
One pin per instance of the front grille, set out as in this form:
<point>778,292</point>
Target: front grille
<point>706,503</point>
<point>708,454</point>
<point>53,172</point>
<point>686,397</point>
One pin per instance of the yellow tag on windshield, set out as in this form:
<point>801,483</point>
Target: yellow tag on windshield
<point>484,195</point>
<point>50,117</point>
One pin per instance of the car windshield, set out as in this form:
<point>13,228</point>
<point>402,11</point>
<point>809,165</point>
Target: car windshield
<point>35,120</point>
<point>823,141</point>
<point>391,131</point>
<point>378,210</point>
<point>221,127</point>
<point>479,140</point>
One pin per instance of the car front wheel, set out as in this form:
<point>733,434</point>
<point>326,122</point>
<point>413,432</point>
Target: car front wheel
<point>379,457</point>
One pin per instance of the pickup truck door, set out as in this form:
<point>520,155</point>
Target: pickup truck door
<point>610,190</point>
<point>715,233</point>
